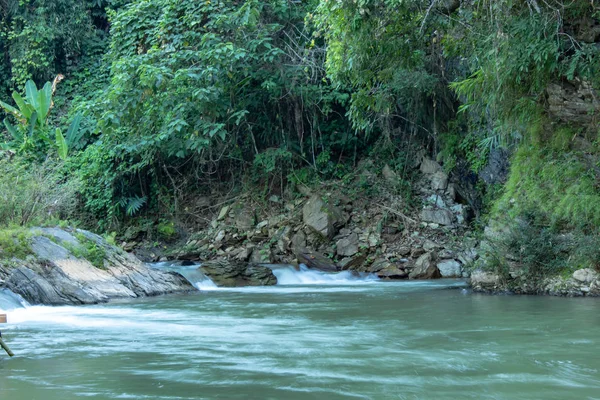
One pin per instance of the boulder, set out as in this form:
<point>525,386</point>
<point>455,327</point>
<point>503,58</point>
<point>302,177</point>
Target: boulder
<point>392,272</point>
<point>450,269</point>
<point>425,268</point>
<point>348,246</point>
<point>321,217</point>
<point>439,216</point>
<point>244,217</point>
<point>356,263</point>
<point>315,260</point>
<point>439,180</point>
<point>485,281</point>
<point>586,275</point>
<point>79,267</point>
<point>237,274</point>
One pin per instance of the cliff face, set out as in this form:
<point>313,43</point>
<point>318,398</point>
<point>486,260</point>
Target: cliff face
<point>59,266</point>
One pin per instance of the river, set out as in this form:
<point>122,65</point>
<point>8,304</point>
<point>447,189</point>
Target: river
<point>313,336</point>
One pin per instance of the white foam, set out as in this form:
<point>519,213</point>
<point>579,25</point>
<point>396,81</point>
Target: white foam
<point>306,276</point>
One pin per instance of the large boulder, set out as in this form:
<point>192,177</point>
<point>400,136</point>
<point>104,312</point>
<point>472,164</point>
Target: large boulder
<point>79,267</point>
<point>236,274</point>
<point>321,217</point>
<point>425,268</point>
<point>450,269</point>
<point>485,281</point>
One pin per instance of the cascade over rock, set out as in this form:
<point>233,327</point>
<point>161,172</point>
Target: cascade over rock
<point>235,274</point>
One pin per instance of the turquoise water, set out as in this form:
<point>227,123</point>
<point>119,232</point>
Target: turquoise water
<point>313,338</point>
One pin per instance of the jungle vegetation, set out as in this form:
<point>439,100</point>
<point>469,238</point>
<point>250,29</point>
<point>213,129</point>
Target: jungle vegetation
<point>124,109</point>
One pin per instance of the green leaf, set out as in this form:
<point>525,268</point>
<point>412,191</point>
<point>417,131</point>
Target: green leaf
<point>73,133</point>
<point>13,131</point>
<point>61,145</point>
<point>31,93</point>
<point>25,108</point>
<point>11,110</point>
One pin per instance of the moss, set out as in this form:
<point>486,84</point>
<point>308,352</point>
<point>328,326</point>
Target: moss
<point>88,250</point>
<point>558,185</point>
<point>15,243</point>
<point>166,230</point>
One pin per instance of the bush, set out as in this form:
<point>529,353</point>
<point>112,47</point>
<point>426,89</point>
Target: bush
<point>34,194</point>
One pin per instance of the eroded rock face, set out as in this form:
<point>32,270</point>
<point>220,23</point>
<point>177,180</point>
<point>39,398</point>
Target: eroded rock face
<point>237,274</point>
<point>54,275</point>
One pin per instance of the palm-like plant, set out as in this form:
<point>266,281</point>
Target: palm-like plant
<point>31,114</point>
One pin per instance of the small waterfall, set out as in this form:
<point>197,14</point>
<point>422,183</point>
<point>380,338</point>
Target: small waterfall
<point>288,275</point>
<point>190,272</point>
<point>10,301</point>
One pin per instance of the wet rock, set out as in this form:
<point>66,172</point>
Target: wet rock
<point>392,272</point>
<point>425,268</point>
<point>298,240</point>
<point>261,255</point>
<point>237,274</point>
<point>379,265</point>
<point>348,246</point>
<point>355,263</point>
<point>321,217</point>
<point>485,281</point>
<point>450,269</point>
<point>315,260</point>
<point>437,216</point>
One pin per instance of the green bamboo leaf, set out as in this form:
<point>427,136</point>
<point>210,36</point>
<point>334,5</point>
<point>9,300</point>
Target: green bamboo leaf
<point>61,145</point>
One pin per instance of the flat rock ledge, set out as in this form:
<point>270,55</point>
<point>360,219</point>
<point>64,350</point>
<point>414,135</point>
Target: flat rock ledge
<point>56,271</point>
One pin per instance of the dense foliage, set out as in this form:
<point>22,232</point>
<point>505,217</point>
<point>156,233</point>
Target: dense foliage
<point>178,97</point>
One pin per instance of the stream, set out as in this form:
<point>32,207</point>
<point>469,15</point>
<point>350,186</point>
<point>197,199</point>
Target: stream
<point>312,336</point>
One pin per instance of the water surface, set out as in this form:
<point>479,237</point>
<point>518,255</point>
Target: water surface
<point>316,337</point>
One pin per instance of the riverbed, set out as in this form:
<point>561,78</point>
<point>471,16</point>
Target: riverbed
<point>312,337</point>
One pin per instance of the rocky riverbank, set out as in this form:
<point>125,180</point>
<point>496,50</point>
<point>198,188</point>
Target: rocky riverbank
<point>62,266</point>
<point>367,226</point>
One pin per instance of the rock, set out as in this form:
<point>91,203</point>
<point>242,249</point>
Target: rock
<point>403,250</point>
<point>439,181</point>
<point>430,245</point>
<point>392,272</point>
<point>298,241</point>
<point>451,191</point>
<point>436,200</point>
<point>425,268</point>
<point>450,269</point>
<point>53,275</point>
<point>321,217</point>
<point>355,263</point>
<point>315,260</point>
<point>348,246</point>
<point>237,274</point>
<point>429,166</point>
<point>261,255</point>
<point>437,216</point>
<point>389,174</point>
<point>244,217</point>
<point>220,236</point>
<point>379,265</point>
<point>586,275</point>
<point>485,281</point>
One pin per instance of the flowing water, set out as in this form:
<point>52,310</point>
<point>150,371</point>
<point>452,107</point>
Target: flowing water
<point>313,336</point>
